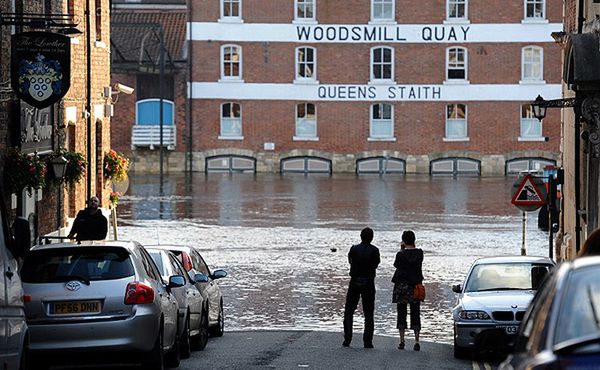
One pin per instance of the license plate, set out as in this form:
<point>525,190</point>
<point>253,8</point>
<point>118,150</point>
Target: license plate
<point>511,329</point>
<point>67,308</point>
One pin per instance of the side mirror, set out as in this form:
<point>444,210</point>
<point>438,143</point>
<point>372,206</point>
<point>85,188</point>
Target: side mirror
<point>21,242</point>
<point>201,278</point>
<point>218,274</point>
<point>457,288</point>
<point>176,281</point>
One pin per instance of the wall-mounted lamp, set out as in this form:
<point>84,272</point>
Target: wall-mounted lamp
<point>59,166</point>
<point>539,105</point>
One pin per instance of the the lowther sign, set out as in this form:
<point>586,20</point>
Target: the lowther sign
<point>40,67</point>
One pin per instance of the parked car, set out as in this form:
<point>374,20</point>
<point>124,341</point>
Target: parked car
<point>561,329</point>
<point>193,308</point>
<point>99,300</point>
<point>493,300</point>
<point>13,342</point>
<point>194,264</point>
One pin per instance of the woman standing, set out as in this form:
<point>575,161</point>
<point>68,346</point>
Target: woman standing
<point>409,272</point>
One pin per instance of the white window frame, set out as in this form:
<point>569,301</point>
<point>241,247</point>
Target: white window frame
<point>300,121</point>
<point>534,19</point>
<point>465,65</point>
<point>301,79</point>
<point>305,3</point>
<point>525,62</point>
<point>230,120</point>
<point>449,121</point>
<point>450,4</point>
<point>530,120</point>
<point>390,122</point>
<point>372,64</point>
<point>237,78</point>
<point>377,18</point>
<point>229,18</point>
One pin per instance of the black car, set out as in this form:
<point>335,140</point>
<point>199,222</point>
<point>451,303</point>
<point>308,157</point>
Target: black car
<point>561,328</point>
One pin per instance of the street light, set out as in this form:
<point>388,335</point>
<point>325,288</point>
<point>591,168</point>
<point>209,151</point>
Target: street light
<point>59,167</point>
<point>539,110</point>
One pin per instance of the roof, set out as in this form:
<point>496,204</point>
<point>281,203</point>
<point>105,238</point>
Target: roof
<point>154,2</point>
<point>86,243</point>
<point>135,36</point>
<point>514,259</point>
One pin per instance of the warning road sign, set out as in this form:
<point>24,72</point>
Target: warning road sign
<point>529,193</point>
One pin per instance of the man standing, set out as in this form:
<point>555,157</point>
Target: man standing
<point>90,223</point>
<point>364,259</point>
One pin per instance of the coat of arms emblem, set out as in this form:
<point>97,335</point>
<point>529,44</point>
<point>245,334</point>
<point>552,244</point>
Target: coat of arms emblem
<point>40,78</point>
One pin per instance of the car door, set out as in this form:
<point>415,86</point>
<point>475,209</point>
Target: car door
<point>211,291</point>
<point>168,302</point>
<point>193,296</point>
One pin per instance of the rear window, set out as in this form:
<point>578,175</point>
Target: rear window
<point>91,264</point>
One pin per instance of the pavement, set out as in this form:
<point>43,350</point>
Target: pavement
<point>320,350</point>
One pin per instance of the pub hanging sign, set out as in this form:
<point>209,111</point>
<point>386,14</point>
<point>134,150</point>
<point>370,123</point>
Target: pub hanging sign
<point>40,67</point>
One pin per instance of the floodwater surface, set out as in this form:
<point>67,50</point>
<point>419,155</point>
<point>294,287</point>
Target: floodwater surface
<point>284,240</point>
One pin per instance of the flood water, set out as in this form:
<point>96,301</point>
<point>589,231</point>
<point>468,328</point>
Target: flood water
<point>284,239</point>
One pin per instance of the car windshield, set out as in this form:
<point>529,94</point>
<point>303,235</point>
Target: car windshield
<point>85,264</point>
<point>506,276</point>
<point>579,312</point>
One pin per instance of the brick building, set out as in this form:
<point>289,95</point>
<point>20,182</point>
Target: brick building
<point>79,122</point>
<point>373,86</point>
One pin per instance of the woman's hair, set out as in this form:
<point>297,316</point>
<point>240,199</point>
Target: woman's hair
<point>591,246</point>
<point>408,237</point>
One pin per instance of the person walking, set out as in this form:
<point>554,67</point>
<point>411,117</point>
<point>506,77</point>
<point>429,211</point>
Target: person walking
<point>364,259</point>
<point>90,223</point>
<point>409,272</point>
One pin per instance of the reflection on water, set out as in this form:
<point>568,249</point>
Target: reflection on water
<point>274,235</point>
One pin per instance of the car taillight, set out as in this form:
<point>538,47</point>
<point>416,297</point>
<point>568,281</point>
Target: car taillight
<point>186,261</point>
<point>138,293</point>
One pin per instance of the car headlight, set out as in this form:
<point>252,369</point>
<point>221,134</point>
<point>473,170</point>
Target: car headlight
<point>473,315</point>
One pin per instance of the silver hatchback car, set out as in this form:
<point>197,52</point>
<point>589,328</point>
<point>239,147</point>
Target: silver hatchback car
<point>99,298</point>
<point>492,302</point>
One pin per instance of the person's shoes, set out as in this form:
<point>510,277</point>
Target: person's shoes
<point>346,343</point>
<point>417,347</point>
<point>368,345</point>
<point>401,345</point>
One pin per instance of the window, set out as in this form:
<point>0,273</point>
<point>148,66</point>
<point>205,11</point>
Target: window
<point>532,63</point>
<point>382,65</point>
<point>456,64</point>
<point>306,62</point>
<point>382,10</point>
<point>306,121</point>
<point>456,10</point>
<point>231,120</point>
<point>98,11</point>
<point>305,10</point>
<point>231,66</point>
<point>535,9</point>
<point>382,122</point>
<point>456,121</point>
<point>231,10</point>
<point>531,127</point>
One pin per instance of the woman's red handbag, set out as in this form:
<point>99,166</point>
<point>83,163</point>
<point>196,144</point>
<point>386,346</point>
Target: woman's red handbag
<point>419,292</point>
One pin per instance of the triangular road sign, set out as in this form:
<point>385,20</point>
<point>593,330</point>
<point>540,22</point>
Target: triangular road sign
<point>528,194</point>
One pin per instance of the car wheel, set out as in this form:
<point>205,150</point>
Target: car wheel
<point>461,352</point>
<point>200,340</point>
<point>217,330</point>
<point>172,358</point>
<point>184,342</point>
<point>154,359</point>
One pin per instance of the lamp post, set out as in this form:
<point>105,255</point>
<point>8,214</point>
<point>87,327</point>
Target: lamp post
<point>59,167</point>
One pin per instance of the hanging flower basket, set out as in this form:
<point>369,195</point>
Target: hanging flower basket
<point>116,166</point>
<point>114,198</point>
<point>24,171</point>
<point>76,165</point>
